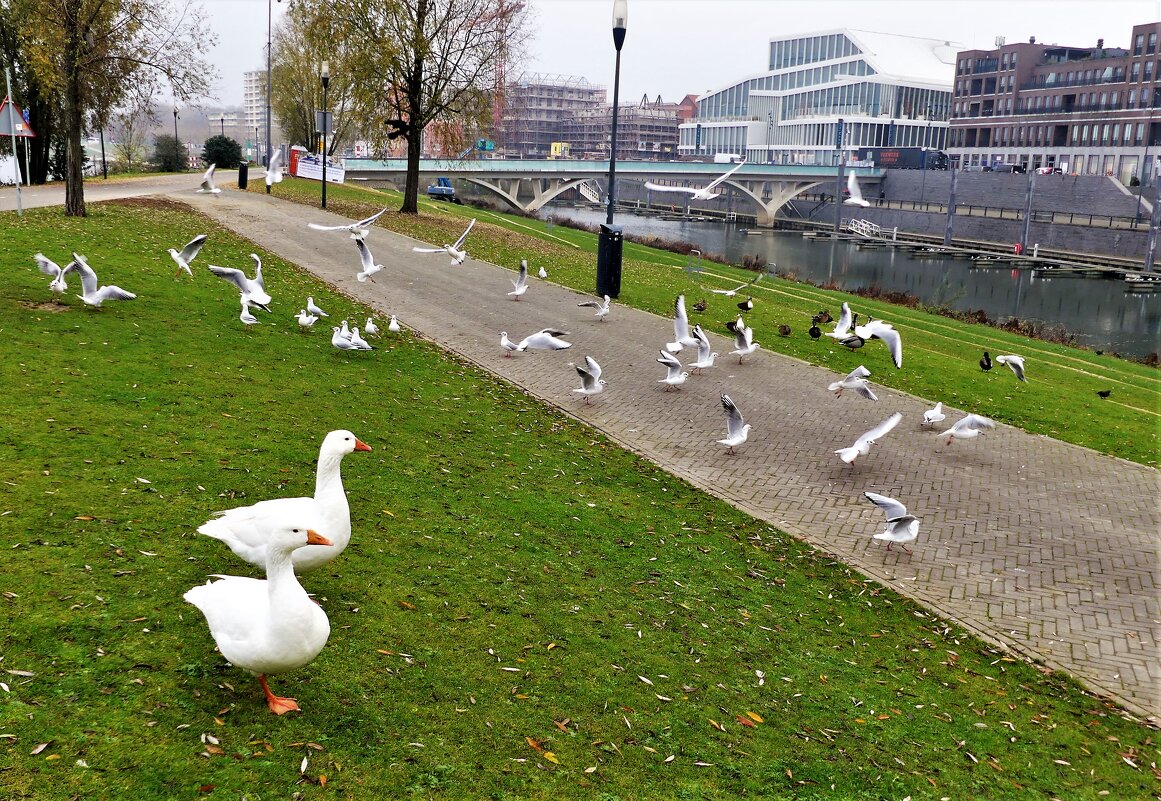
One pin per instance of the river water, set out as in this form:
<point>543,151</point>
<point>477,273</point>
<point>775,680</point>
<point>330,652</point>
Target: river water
<point>1097,312</point>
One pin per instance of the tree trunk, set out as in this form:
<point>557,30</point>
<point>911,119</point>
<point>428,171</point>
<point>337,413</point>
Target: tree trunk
<point>411,188</point>
<point>74,152</point>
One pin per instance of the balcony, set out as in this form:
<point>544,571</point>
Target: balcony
<point>985,65</point>
<point>1040,83</point>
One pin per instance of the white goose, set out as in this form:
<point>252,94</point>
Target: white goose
<point>247,529</point>
<point>269,626</point>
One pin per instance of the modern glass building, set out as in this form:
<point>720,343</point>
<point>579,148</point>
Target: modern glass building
<point>888,90</point>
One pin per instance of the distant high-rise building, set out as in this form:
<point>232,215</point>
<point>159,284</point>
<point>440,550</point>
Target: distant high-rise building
<point>888,90</point>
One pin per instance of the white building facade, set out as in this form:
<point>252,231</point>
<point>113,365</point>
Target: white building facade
<point>888,91</point>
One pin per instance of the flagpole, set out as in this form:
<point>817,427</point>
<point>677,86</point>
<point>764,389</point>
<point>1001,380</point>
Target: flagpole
<point>12,130</point>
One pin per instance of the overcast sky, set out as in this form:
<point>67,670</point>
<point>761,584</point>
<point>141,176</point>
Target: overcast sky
<point>678,47</point>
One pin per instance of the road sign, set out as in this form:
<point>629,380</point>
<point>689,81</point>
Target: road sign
<point>16,118</point>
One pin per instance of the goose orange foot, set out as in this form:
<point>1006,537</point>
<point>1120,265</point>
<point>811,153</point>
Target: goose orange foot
<point>278,705</point>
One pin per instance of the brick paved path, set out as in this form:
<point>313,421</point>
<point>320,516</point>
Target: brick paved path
<point>1045,547</point>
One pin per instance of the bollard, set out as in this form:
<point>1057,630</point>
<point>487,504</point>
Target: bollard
<point>243,170</point>
<point>1036,250</point>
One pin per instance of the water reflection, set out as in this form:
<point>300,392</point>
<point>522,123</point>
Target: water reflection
<point>1097,312</point>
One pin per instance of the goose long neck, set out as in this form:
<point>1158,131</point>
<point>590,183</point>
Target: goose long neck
<point>329,478</point>
<point>280,575</point>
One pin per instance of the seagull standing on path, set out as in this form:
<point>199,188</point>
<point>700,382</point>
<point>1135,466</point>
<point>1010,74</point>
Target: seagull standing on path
<point>744,343</point>
<point>457,251</point>
<point>520,282</point>
<point>681,337</point>
<point>737,429</point>
<point>313,309</point>
<point>705,359</point>
<point>591,381</point>
<point>359,229</point>
<point>253,289</point>
<point>933,416</point>
<point>969,427</point>
<point>676,376</point>
<point>856,198</point>
<point>50,267</point>
<point>368,263</point>
<point>857,380</point>
<point>705,193</point>
<point>863,444</point>
<point>602,307</point>
<point>901,527</point>
<point>208,186</point>
<point>187,255</point>
<point>507,345</point>
<point>1015,364</point>
<point>91,293</point>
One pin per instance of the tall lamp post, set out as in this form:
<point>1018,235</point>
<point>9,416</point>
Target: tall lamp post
<point>326,79</point>
<point>177,141</point>
<point>611,239</point>
<point>266,152</point>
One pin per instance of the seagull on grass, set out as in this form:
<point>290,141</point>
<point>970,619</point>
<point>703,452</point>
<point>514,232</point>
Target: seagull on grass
<point>457,251</point>
<point>246,317</point>
<point>704,193</point>
<point>602,307</point>
<point>676,376</point>
<point>358,230</point>
<point>359,342</point>
<point>901,527</point>
<point>50,267</point>
<point>208,186</point>
<point>370,329</point>
<point>863,444</point>
<point>393,325</point>
<point>187,255</point>
<point>368,263</point>
<point>313,309</point>
<point>253,289</point>
<point>305,320</point>
<point>341,342</point>
<point>857,380</point>
<point>591,381</point>
<point>737,429</point>
<point>520,282</point>
<point>91,293</point>
<point>1015,364</point>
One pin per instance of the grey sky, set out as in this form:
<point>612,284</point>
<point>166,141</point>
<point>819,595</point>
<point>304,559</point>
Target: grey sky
<point>679,47</point>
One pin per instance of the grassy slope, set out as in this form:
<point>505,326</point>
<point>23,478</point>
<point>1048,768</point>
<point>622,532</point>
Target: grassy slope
<point>471,612</point>
<point>940,354</point>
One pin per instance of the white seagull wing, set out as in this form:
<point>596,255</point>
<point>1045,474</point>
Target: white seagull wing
<point>881,430</point>
<point>192,248</point>
<point>460,242</point>
<point>734,421</point>
<point>890,506</point>
<point>726,175</point>
<point>659,188</point>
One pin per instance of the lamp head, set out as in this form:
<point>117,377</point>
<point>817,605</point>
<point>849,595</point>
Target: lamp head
<point>326,73</point>
<point>620,18</point>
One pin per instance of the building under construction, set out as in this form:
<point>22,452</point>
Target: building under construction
<point>536,108</point>
<point>646,130</point>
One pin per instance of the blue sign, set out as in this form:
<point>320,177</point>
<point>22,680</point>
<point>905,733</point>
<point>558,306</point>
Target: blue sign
<point>697,136</point>
<point>838,135</point>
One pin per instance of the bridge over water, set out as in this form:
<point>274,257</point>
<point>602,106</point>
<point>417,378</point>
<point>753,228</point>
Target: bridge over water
<point>527,184</point>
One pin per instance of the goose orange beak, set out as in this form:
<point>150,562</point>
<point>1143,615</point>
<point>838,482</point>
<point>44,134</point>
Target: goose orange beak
<point>361,446</point>
<point>314,538</point>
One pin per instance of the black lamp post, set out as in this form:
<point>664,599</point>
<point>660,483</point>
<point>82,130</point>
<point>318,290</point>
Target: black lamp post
<point>610,241</point>
<point>175,139</point>
<point>326,79</point>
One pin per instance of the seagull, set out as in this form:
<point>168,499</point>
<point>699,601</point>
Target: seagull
<point>737,429</point>
<point>246,317</point>
<point>359,342</point>
<point>857,380</point>
<point>344,331</point>
<point>520,283</point>
<point>92,294</point>
<point>543,273</point>
<point>313,309</point>
<point>274,170</point>
<point>253,289</point>
<point>863,444</point>
<point>591,381</point>
<point>705,358</point>
<point>676,377</point>
<point>877,329</point>
<point>968,428</point>
<point>306,320</point>
<point>341,342</point>
<point>842,328</point>
<point>188,254</point>
<point>901,527</point>
<point>359,230</point>
<point>505,343</point>
<point>50,267</point>
<point>744,343</point>
<point>986,362</point>
<point>933,416</point>
<point>208,182</point>
<point>393,325</point>
<point>856,198</point>
<point>705,193</point>
<point>456,251</point>
<point>368,263</point>
<point>681,335</point>
<point>1015,363</point>
<point>370,329</point>
<point>544,339</point>
<point>729,293</point>
<point>602,307</point>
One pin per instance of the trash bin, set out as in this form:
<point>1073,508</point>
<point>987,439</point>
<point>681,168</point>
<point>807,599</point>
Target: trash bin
<point>609,247</point>
<point>243,174</point>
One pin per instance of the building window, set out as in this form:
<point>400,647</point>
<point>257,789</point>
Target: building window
<point>1004,61</point>
<point>1135,75</point>
<point>1148,70</point>
<point>1152,46</point>
<point>1138,44</point>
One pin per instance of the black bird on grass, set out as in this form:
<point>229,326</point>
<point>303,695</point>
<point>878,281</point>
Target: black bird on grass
<point>747,304</point>
<point>700,306</point>
<point>986,362</point>
<point>824,316</point>
<point>1104,393</point>
<point>784,330</point>
<point>815,332</point>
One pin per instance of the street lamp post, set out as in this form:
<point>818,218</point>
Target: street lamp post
<point>326,79</point>
<point>222,120</point>
<point>177,141</point>
<point>266,152</point>
<point>611,238</point>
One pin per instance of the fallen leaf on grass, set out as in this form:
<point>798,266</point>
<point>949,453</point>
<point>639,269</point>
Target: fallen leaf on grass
<point>745,721</point>
<point>21,672</point>
<point>717,725</point>
<point>534,744</point>
<point>645,680</point>
<point>562,724</point>
<point>40,748</point>
<point>754,716</point>
<point>551,757</point>
<point>406,605</point>
<point>670,758</point>
<point>592,769</point>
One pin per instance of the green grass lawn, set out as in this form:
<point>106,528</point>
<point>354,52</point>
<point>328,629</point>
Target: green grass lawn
<point>623,636</point>
<point>941,355</point>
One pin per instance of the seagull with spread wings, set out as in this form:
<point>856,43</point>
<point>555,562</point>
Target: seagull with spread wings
<point>863,444</point>
<point>457,251</point>
<point>591,381</point>
<point>705,193</point>
<point>187,254</point>
<point>91,292</point>
<point>358,229</point>
<point>737,429</point>
<point>901,527</point>
<point>208,187</point>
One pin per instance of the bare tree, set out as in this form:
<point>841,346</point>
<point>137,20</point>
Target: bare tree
<point>129,130</point>
<point>424,62</point>
<point>101,54</point>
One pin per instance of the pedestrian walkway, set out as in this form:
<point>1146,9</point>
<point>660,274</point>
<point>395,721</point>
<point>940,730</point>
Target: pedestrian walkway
<point>1044,547</point>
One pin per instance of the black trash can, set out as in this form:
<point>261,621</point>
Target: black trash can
<point>243,174</point>
<point>609,246</point>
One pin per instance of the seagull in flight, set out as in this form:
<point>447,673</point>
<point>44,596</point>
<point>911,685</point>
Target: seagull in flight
<point>705,193</point>
<point>901,527</point>
<point>729,293</point>
<point>969,427</point>
<point>676,376</point>
<point>1015,364</point>
<point>863,444</point>
<point>368,263</point>
<point>602,307</point>
<point>457,251</point>
<point>544,339</point>
<point>856,198</point>
<point>253,289</point>
<point>208,186</point>
<point>737,429</point>
<point>744,343</point>
<point>91,293</point>
<point>520,282</point>
<point>705,359</point>
<point>187,254</point>
<point>591,381</point>
<point>857,380</point>
<point>933,416</point>
<point>50,267</point>
<point>358,229</point>
<point>681,337</point>
<point>876,329</point>
<point>274,171</point>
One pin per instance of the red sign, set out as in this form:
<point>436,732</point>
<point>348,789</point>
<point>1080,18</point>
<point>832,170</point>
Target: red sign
<point>11,116</point>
